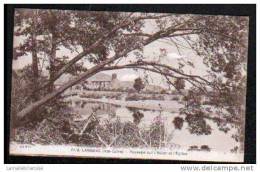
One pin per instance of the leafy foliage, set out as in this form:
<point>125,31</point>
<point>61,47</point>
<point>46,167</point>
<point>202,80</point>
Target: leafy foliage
<point>178,123</point>
<point>102,39</point>
<point>138,84</point>
<point>179,84</point>
<point>198,125</point>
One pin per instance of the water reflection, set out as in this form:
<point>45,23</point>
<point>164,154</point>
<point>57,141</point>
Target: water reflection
<point>118,126</point>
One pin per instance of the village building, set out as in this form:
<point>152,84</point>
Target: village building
<point>105,82</point>
<point>99,81</point>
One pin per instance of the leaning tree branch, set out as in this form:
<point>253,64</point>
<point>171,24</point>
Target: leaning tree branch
<point>154,64</point>
<point>124,23</point>
<point>166,74</point>
<point>99,67</point>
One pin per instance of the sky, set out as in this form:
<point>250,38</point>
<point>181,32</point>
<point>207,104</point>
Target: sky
<point>151,52</point>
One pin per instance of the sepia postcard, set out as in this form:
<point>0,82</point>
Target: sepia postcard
<point>128,85</point>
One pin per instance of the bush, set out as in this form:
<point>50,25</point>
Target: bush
<point>163,92</point>
<point>178,122</point>
<point>197,124</point>
<point>138,84</point>
<point>205,148</point>
<point>98,133</point>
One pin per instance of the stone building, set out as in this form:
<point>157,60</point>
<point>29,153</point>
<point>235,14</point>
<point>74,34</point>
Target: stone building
<point>99,81</point>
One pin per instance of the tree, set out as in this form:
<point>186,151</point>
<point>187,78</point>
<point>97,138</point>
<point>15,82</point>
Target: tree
<point>104,38</point>
<point>29,45</point>
<point>179,84</point>
<point>178,123</point>
<point>138,84</point>
<point>45,32</point>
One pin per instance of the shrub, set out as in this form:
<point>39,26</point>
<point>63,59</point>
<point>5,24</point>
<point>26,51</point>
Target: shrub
<point>178,122</point>
<point>138,84</point>
<point>205,148</point>
<point>163,92</point>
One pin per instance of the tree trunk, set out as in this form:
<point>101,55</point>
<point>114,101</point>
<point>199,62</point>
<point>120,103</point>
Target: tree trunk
<point>35,69</point>
<point>35,61</point>
<point>52,63</point>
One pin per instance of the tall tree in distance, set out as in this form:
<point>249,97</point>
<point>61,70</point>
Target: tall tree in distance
<point>138,84</point>
<point>179,84</point>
